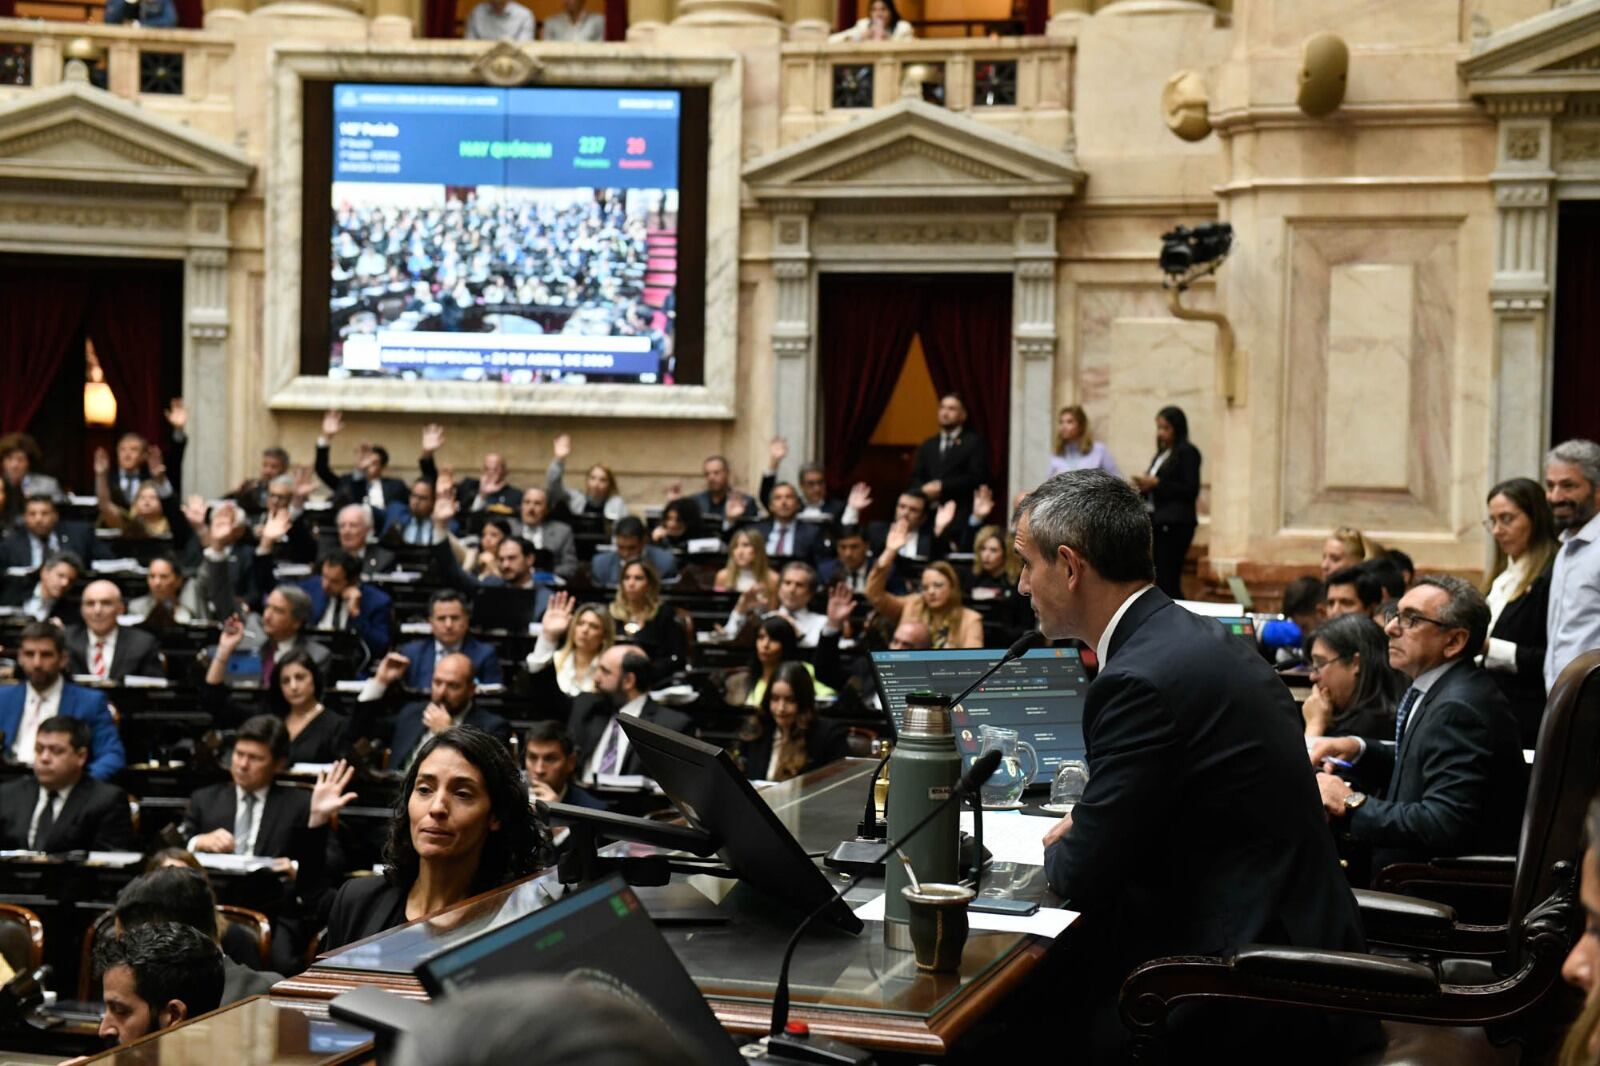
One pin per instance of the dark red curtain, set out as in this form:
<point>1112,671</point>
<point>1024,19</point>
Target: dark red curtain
<point>439,18</point>
<point>1038,13</point>
<point>965,327</point>
<point>867,326</point>
<point>616,20</point>
<point>1576,369</point>
<point>8,9</point>
<point>126,328</point>
<point>47,312</point>
<point>191,13</point>
<point>846,16</point>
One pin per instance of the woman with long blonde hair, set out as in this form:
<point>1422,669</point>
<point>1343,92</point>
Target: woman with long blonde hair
<point>938,603</point>
<point>572,639</point>
<point>747,566</point>
<point>1347,546</point>
<point>1524,532</point>
<point>1076,448</point>
<point>641,618</point>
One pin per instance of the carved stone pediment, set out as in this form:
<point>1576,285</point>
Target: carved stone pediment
<point>73,133</point>
<point>913,149</point>
<point>507,65</point>
<point>1556,51</point>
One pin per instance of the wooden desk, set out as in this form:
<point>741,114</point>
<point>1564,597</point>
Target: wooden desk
<point>848,987</point>
<point>258,1031</point>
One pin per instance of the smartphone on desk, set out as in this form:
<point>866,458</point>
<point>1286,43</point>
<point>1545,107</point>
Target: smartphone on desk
<point>1017,908</point>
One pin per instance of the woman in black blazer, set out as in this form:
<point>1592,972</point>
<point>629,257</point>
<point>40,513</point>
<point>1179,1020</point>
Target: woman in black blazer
<point>1170,488</point>
<point>787,718</point>
<point>1519,596</point>
<point>462,825</point>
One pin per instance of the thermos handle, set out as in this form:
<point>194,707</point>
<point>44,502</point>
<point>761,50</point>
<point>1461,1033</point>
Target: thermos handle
<point>1033,760</point>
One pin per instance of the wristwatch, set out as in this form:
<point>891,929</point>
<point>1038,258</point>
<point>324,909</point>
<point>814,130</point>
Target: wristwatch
<point>1354,800</point>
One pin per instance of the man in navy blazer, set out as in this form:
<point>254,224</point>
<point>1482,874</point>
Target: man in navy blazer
<point>340,601</point>
<point>450,704</point>
<point>606,567</point>
<point>447,617</point>
<point>43,534</point>
<point>23,708</point>
<point>785,535</point>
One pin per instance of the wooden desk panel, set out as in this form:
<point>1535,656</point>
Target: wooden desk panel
<point>254,1032</point>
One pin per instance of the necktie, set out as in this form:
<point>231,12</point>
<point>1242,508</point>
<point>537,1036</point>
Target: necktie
<point>944,443</point>
<point>269,659</point>
<point>1411,697</point>
<point>129,486</point>
<point>608,757</point>
<point>242,824</point>
<point>47,822</point>
<point>98,667</point>
<point>783,540</point>
<point>23,747</point>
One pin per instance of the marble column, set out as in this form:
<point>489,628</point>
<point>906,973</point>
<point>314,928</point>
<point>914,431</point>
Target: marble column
<point>812,20</point>
<point>206,328</point>
<point>1033,313</point>
<point>729,12</point>
<point>646,17</point>
<point>794,374</point>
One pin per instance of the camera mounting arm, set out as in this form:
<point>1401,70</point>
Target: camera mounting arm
<point>1230,376</point>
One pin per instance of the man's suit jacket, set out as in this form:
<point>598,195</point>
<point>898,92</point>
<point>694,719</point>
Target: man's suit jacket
<point>106,756</point>
<point>371,625</point>
<point>173,454</point>
<point>397,518</point>
<point>241,982</point>
<point>17,591</point>
<point>833,508</point>
<point>352,487</point>
<point>1201,828</point>
<point>17,550</point>
<point>711,509</point>
<point>189,599</point>
<point>485,662</point>
<point>137,653</point>
<point>221,584</point>
<point>1523,623</point>
<point>1457,783</point>
<point>805,539</point>
<point>960,470</point>
<point>558,541</point>
<point>506,496</point>
<point>95,817</point>
<point>409,730</point>
<point>282,828</point>
<point>606,567</point>
<point>593,711</point>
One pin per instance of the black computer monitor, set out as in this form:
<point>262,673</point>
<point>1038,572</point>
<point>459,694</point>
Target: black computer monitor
<point>714,795</point>
<point>512,610</point>
<point>1243,627</point>
<point>1039,695</point>
<point>600,935</point>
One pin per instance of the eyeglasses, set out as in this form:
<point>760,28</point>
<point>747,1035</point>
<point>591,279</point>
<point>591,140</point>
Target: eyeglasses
<point>1319,665</point>
<point>1409,620</point>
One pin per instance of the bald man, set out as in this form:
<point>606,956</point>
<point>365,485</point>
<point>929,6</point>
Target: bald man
<point>449,704</point>
<point>104,650</point>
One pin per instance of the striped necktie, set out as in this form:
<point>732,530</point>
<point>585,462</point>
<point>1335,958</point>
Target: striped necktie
<point>1411,697</point>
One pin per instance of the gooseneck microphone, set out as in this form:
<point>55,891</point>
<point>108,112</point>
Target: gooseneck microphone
<point>981,770</point>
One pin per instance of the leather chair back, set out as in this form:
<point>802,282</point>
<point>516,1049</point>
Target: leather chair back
<point>1566,775</point>
<point>21,938</point>
<point>253,922</point>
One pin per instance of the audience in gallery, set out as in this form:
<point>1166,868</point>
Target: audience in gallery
<point>462,825</point>
<point>1345,547</point>
<point>572,641</point>
<point>574,24</point>
<point>1572,485</point>
<point>747,566</point>
<point>599,493</point>
<point>1454,781</point>
<point>500,20</point>
<point>937,604</point>
<point>155,14</point>
<point>883,23</point>
<point>785,738</point>
<point>1518,592</point>
<point>154,976</point>
<point>59,808</point>
<point>550,762</point>
<point>1076,448</point>
<point>1354,689</point>
<point>1171,486</point>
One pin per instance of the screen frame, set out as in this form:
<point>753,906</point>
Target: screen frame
<point>297,72</point>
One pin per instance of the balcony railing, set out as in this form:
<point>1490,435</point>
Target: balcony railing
<point>1022,84</point>
<point>176,69</point>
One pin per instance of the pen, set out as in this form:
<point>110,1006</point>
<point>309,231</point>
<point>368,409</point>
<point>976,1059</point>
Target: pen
<point>1339,762</point>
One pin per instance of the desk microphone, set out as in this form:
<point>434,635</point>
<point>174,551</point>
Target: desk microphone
<point>854,854</point>
<point>971,782</point>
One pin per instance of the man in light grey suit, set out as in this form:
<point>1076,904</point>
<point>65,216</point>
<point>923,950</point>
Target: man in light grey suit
<point>547,534</point>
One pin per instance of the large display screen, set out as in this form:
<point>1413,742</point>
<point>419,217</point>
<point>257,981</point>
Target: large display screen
<point>505,235</point>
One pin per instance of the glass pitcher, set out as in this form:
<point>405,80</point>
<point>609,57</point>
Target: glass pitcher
<point>1018,763</point>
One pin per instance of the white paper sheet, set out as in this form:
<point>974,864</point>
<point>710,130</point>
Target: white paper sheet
<point>1012,836</point>
<point>1046,921</point>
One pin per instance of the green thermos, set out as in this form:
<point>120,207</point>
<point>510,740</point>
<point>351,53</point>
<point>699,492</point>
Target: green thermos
<point>923,771</point>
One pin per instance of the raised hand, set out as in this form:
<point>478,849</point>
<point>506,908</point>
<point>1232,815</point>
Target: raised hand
<point>275,528</point>
<point>933,489</point>
<point>157,465</point>
<point>841,603</point>
<point>444,509</point>
<point>352,600</point>
<point>102,462</point>
<point>432,438</point>
<point>177,414</point>
<point>305,482</point>
<point>491,482</point>
<point>194,511</point>
<point>943,517</point>
<point>391,669</point>
<point>777,451</point>
<point>329,797</point>
<point>898,537</point>
<point>228,640</point>
<point>753,598</point>
<point>563,446</point>
<point>558,616</point>
<point>332,423</point>
<point>860,496</point>
<point>736,505</point>
<point>983,503</point>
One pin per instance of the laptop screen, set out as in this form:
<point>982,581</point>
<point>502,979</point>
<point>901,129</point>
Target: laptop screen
<point>1039,695</point>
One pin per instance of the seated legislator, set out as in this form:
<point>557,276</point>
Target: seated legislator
<point>784,534</point>
<point>366,483</point>
<point>571,640</point>
<point>621,688</point>
<point>410,521</point>
<point>680,524</point>
<point>183,895</point>
<point>317,734</point>
<point>42,656</point>
<point>1200,830</point>
<point>45,598</point>
<point>851,565</point>
<point>775,644</point>
<point>747,566</point>
<point>572,23</point>
<point>785,738</point>
<point>43,534</point>
<point>1525,543</point>
<point>450,704</point>
<point>253,493</point>
<point>1353,590</point>
<point>550,762</point>
<point>598,496</point>
<point>353,526</point>
<point>462,825</point>
<point>225,573</point>
<point>341,601</point>
<point>815,504</point>
<point>491,489</point>
<point>796,587</point>
<point>154,976</point>
<point>285,614</point>
<point>104,650</point>
<point>938,603</point>
<point>606,567</point>
<point>447,618</point>
<point>59,808</point>
<point>1345,547</point>
<point>19,455</point>
<point>713,500</point>
<point>547,534</point>
<point>171,599</point>
<point>1454,782</point>
<point>1354,689</point>
<point>641,618</point>
<point>148,513</point>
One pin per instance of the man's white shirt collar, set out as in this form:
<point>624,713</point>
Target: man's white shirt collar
<point>1102,647</point>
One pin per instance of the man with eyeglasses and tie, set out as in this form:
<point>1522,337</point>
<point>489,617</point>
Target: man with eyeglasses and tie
<point>42,656</point>
<point>104,650</point>
<point>59,808</point>
<point>1454,780</point>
